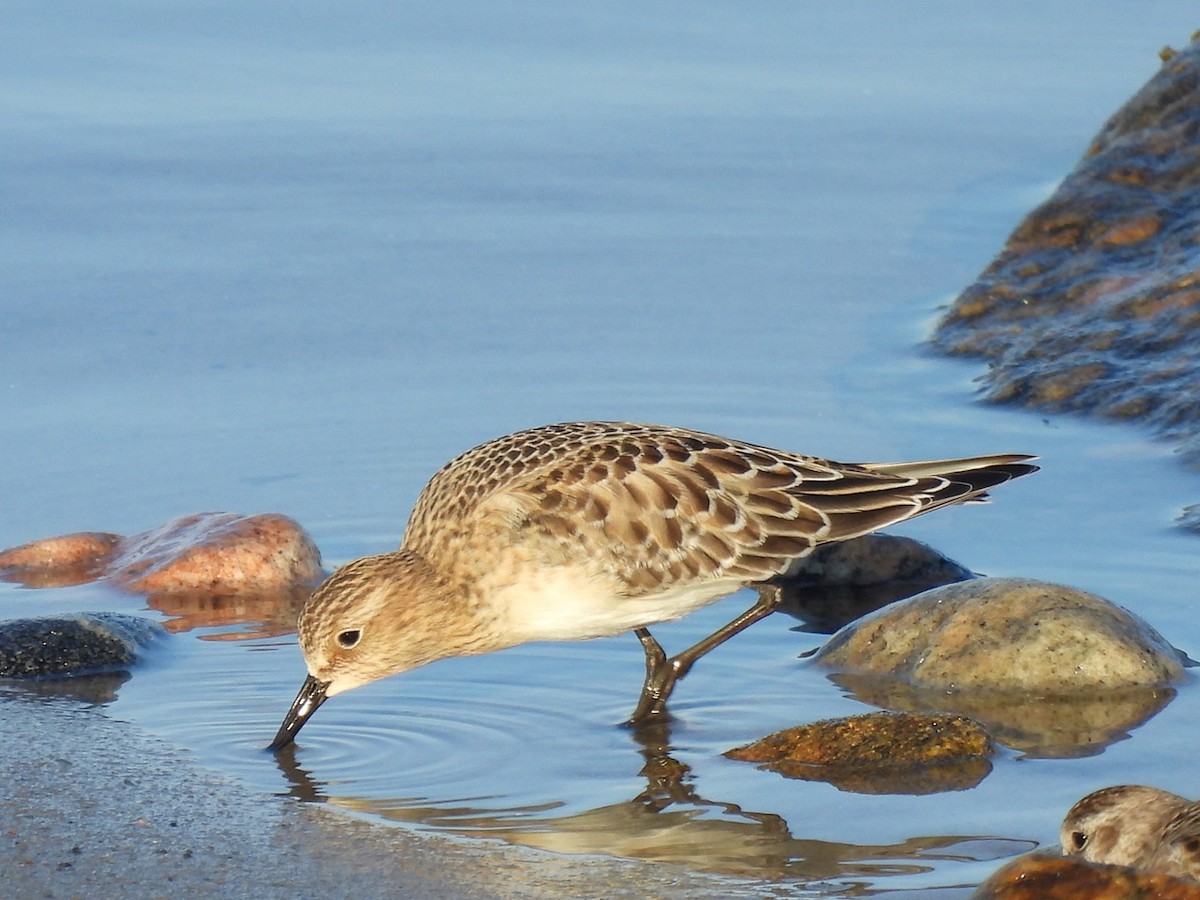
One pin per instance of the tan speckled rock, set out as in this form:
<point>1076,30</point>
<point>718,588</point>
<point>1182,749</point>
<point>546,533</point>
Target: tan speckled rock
<point>1042,877</point>
<point>1007,634</point>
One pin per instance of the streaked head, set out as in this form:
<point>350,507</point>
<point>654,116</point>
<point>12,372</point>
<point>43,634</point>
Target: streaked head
<point>373,617</point>
<point>1119,825</point>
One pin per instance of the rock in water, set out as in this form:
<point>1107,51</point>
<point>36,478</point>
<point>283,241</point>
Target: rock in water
<point>1050,670</point>
<point>67,646</point>
<point>1093,305</point>
<point>878,753</point>
<point>1042,877</point>
<point>1006,634</point>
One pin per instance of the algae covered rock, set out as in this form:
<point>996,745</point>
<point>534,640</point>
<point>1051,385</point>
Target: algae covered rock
<point>894,753</point>
<point>1093,305</point>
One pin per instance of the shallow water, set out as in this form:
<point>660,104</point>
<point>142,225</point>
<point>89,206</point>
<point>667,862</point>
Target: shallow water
<point>262,259</point>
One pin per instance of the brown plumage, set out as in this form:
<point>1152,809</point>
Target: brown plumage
<point>585,529</point>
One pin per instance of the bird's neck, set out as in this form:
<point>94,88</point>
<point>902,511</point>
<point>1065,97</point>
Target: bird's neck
<point>452,605</point>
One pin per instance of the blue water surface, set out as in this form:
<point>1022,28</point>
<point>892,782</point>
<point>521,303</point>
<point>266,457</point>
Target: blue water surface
<point>292,257</point>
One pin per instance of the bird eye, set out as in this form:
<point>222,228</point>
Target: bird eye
<point>1078,840</point>
<point>347,639</point>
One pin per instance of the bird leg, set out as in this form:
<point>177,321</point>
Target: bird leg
<point>662,673</point>
<point>655,656</point>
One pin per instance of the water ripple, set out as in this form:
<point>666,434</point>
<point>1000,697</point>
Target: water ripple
<point>482,734</point>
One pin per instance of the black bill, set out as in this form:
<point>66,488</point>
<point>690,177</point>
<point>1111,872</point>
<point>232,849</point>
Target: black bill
<point>312,695</point>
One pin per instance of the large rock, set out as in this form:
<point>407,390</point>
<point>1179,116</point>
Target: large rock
<point>1051,670</point>
<point>1007,634</point>
<point>1093,305</point>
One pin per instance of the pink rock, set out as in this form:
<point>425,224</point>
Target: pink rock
<point>219,553</point>
<point>210,570</point>
<point>59,561</point>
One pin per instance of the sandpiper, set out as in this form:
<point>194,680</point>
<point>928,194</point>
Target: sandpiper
<point>589,529</point>
<point>1135,825</point>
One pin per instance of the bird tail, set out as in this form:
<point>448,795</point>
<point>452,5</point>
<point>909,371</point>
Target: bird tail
<point>894,492</point>
<point>964,480</point>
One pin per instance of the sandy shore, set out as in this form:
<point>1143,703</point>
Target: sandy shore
<point>92,807</point>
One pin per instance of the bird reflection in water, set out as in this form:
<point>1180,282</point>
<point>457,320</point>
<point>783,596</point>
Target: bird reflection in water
<point>670,821</point>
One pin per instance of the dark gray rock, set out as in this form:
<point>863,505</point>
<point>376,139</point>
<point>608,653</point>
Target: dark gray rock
<point>73,645</point>
<point>838,583</point>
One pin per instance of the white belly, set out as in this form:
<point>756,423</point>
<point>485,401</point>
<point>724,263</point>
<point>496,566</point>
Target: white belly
<point>563,604</point>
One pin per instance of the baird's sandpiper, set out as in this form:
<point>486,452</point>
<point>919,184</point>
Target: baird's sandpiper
<point>588,529</point>
<point>1135,825</point>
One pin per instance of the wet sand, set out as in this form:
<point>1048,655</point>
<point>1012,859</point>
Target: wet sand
<point>93,807</point>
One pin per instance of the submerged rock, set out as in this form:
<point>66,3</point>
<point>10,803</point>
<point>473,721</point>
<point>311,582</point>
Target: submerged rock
<point>1039,724</point>
<point>220,553</point>
<point>1040,876</point>
<point>879,753</point>
<point>74,645</point>
<point>838,583</point>
<point>1093,305</point>
<point>1050,670</point>
<point>60,561</point>
<point>212,570</point>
